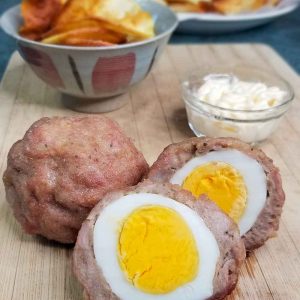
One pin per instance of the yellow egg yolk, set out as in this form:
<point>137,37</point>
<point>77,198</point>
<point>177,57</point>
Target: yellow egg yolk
<point>222,183</point>
<point>157,250</point>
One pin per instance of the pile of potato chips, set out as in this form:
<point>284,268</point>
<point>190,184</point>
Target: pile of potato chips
<point>219,6</point>
<point>85,22</point>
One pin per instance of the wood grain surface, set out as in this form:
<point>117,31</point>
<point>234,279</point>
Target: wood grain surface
<point>32,268</point>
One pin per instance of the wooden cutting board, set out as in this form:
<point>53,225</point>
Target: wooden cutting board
<point>35,269</point>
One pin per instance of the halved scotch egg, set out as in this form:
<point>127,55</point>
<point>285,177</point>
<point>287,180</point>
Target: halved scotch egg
<point>240,179</point>
<point>155,241</point>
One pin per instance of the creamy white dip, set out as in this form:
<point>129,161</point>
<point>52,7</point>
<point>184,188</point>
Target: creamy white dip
<point>249,116</point>
<point>228,91</point>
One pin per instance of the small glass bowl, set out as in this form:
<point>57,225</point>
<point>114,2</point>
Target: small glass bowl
<point>251,126</point>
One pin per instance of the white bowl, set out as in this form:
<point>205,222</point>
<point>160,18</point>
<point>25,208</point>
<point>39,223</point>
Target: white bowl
<point>212,23</point>
<point>91,73</point>
<point>251,126</point>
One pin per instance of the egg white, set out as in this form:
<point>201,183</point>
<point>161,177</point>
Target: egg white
<point>252,173</point>
<point>106,236</point>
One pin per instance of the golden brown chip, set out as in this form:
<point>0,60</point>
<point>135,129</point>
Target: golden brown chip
<point>125,16</point>
<point>38,16</point>
<point>85,25</point>
<point>196,6</point>
<point>72,25</point>
<point>237,6</point>
<point>86,33</point>
<point>185,7</point>
<point>86,43</point>
<point>74,10</point>
<point>109,21</point>
<point>219,6</point>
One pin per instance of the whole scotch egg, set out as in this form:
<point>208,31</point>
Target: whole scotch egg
<point>154,241</point>
<point>240,179</point>
<point>61,169</point>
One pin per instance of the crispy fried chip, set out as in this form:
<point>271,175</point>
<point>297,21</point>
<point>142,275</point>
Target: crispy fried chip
<point>74,25</point>
<point>219,6</point>
<point>86,21</point>
<point>237,6</point>
<point>196,6</point>
<point>186,7</point>
<point>74,10</point>
<point>125,16</point>
<point>86,33</point>
<point>38,16</point>
<point>86,43</point>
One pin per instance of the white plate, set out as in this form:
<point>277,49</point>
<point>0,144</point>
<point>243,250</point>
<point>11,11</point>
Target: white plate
<point>216,23</point>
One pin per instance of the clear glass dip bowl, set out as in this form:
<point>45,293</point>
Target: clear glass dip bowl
<point>251,126</point>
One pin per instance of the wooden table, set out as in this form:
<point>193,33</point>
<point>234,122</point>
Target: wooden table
<point>35,269</point>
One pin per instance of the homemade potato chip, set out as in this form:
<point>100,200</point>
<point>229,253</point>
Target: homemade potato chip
<point>237,6</point>
<point>86,43</point>
<point>38,16</point>
<point>95,27</point>
<point>219,6</point>
<point>86,33</point>
<point>89,21</point>
<point>75,10</point>
<point>125,16</point>
<point>72,25</point>
<point>185,7</point>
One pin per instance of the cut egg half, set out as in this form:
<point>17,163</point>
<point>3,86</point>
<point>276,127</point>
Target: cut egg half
<point>234,181</point>
<point>150,246</point>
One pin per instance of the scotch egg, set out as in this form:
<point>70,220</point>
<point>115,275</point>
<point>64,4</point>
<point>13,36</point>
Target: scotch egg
<point>240,179</point>
<point>154,241</point>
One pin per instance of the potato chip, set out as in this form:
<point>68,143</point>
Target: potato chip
<point>86,43</point>
<point>185,7</point>
<point>237,6</point>
<point>87,21</point>
<point>64,27</point>
<point>74,10</point>
<point>83,23</point>
<point>88,33</point>
<point>219,6</point>
<point>38,16</point>
<point>125,16</point>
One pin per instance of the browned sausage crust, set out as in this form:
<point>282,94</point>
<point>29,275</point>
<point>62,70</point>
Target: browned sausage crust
<point>232,250</point>
<point>176,155</point>
<point>62,167</point>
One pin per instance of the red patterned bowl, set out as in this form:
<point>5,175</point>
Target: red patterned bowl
<point>90,73</point>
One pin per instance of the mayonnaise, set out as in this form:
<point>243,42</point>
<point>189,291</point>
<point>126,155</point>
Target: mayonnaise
<point>245,108</point>
<point>228,91</point>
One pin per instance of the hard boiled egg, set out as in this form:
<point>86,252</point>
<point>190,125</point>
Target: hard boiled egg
<point>241,179</point>
<point>152,247</point>
<point>234,181</point>
<point>155,241</point>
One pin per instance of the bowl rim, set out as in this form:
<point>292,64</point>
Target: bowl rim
<point>259,15</point>
<point>185,90</point>
<point>91,48</point>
